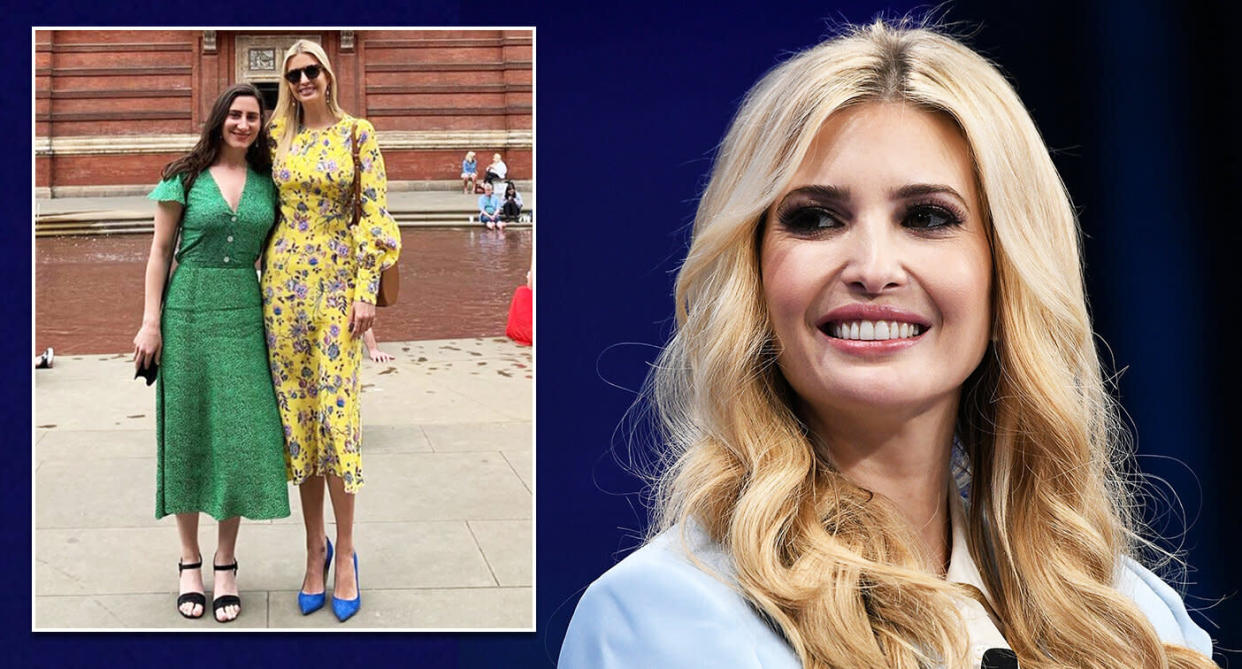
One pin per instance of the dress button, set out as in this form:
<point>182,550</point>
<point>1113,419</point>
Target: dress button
<point>230,238</point>
<point>226,258</point>
<point>234,219</point>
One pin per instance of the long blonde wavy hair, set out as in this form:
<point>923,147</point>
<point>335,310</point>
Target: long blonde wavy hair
<point>288,110</point>
<point>837,568</point>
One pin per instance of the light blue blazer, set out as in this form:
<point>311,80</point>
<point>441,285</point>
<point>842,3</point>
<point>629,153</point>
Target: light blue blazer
<point>656,609</point>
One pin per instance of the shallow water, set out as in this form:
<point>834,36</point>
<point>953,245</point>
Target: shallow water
<point>455,282</point>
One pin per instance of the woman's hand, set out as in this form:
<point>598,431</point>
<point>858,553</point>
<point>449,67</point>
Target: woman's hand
<point>147,346</point>
<point>361,317</point>
<point>380,356</point>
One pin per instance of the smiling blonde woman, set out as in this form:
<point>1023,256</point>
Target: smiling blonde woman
<point>320,284</point>
<point>889,439</point>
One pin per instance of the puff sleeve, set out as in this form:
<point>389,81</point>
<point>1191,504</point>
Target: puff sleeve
<point>169,190</point>
<point>376,238</point>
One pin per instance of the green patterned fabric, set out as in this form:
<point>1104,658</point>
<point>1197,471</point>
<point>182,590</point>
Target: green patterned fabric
<point>220,442</point>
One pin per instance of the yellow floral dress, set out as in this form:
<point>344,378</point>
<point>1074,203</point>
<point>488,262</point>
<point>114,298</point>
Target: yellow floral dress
<point>315,267</point>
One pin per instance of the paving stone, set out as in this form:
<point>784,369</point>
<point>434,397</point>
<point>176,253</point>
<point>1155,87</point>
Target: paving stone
<point>417,555</point>
<point>76,445</point>
<point>523,463</point>
<point>111,561</point>
<point>435,403</point>
<point>151,611</point>
<point>423,609</point>
<point>443,486</point>
<point>507,546</point>
<point>115,492</point>
<point>507,397</point>
<point>479,436</point>
<point>402,438</point>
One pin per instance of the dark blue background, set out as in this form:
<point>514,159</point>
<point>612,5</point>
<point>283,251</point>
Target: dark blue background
<point>1137,100</point>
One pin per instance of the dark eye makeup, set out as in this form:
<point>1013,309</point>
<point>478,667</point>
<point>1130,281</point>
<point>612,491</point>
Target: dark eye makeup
<point>807,219</point>
<point>930,216</point>
<point>804,216</point>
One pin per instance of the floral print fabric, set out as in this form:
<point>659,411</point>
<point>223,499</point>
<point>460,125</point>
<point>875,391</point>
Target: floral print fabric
<point>315,267</point>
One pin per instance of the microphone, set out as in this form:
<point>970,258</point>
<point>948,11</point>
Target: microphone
<point>999,658</point>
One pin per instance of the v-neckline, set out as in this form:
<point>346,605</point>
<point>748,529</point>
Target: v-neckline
<point>242,193</point>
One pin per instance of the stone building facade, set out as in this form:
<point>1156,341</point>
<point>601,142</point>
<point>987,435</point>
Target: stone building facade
<point>112,107</point>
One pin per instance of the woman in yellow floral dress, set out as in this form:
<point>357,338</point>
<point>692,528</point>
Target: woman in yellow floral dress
<point>320,282</point>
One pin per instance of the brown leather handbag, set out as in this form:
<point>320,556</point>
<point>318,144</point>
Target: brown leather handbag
<point>390,279</point>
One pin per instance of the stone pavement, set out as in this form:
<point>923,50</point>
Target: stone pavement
<point>444,522</point>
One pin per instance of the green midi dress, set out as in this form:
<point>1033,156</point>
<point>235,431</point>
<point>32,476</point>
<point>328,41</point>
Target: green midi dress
<point>220,442</point>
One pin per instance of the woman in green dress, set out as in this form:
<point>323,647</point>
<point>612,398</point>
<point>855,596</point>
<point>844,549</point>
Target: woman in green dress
<point>220,441</point>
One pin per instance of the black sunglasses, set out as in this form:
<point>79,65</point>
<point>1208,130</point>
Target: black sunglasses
<point>295,76</point>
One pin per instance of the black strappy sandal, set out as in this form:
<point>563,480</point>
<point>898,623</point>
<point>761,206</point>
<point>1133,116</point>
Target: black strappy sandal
<point>199,598</point>
<point>225,600</point>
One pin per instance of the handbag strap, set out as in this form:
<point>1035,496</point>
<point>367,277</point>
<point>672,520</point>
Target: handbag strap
<point>353,142</point>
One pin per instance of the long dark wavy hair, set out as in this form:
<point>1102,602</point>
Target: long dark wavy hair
<point>207,149</point>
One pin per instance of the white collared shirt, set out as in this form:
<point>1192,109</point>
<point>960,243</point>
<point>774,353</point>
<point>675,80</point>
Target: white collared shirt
<point>981,629</point>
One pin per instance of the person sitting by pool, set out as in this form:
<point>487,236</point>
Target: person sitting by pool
<point>469,173</point>
<point>511,206</point>
<point>489,208</point>
<point>497,171</point>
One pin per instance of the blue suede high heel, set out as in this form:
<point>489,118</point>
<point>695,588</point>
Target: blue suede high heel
<point>346,608</point>
<point>312,603</point>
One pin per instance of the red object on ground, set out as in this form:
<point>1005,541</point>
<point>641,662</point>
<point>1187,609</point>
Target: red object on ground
<point>521,328</point>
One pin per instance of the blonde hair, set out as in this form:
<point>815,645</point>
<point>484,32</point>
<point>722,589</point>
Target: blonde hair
<point>288,111</point>
<point>470,155</point>
<point>834,566</point>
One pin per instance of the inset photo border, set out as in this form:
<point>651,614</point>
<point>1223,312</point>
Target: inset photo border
<point>443,529</point>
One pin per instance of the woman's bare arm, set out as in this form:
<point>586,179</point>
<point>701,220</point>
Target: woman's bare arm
<point>147,342</point>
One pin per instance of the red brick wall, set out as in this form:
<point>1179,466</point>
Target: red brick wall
<point>42,163</point>
<point>446,165</point>
<point>450,80</point>
<point>154,82</point>
<point>43,81</point>
<point>136,169</point>
<point>93,82</point>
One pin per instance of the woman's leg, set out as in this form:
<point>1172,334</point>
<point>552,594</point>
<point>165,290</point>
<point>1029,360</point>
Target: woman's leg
<point>344,587</point>
<point>225,582</point>
<point>311,492</point>
<point>191,579</point>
